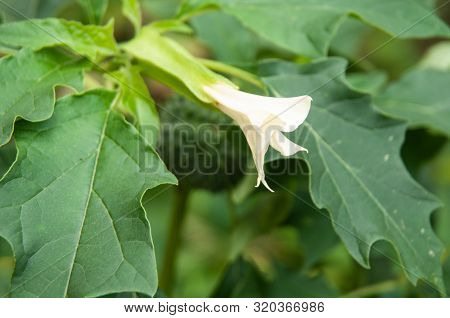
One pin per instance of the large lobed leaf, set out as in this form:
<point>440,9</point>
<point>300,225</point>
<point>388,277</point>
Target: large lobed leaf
<point>307,26</point>
<point>27,82</point>
<point>356,171</point>
<point>421,97</point>
<point>91,41</point>
<point>75,221</point>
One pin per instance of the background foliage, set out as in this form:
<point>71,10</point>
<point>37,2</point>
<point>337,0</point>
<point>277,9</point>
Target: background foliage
<point>367,216</point>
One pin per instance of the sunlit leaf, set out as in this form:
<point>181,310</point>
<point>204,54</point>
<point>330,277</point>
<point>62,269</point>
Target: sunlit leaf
<point>88,40</point>
<point>172,61</point>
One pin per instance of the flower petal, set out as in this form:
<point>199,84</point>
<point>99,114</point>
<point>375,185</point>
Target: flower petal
<point>283,145</point>
<point>285,113</point>
<point>258,142</point>
<point>262,119</point>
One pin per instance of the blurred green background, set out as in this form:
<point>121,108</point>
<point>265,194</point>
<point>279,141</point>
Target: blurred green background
<point>237,242</point>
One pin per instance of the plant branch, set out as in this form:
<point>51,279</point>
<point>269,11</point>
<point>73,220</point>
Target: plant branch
<point>234,71</point>
<point>374,289</point>
<point>173,239</point>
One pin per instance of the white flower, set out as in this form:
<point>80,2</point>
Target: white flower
<point>262,119</point>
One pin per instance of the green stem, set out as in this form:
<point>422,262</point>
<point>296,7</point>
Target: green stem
<point>173,240</point>
<point>192,13</point>
<point>231,210</point>
<point>374,289</point>
<point>234,71</point>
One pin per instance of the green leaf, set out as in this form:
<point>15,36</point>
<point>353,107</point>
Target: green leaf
<point>95,9</point>
<point>48,8</point>
<point>214,28</point>
<point>172,60</point>
<point>421,97</point>
<point>161,9</point>
<point>87,40</point>
<point>307,26</point>
<point>368,82</point>
<point>27,82</point>
<point>13,10</point>
<point>132,10</point>
<point>74,219</point>
<point>136,100</point>
<point>356,171</point>
<point>168,80</point>
<point>349,39</point>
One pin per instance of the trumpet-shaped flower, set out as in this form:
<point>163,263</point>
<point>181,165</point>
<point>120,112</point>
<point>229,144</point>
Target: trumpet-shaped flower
<point>263,120</point>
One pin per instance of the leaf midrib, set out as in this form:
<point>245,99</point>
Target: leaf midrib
<point>91,189</point>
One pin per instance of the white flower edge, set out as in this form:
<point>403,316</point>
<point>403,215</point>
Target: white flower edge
<point>263,120</point>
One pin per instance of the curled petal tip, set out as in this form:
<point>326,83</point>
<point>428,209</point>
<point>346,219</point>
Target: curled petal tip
<point>264,182</point>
